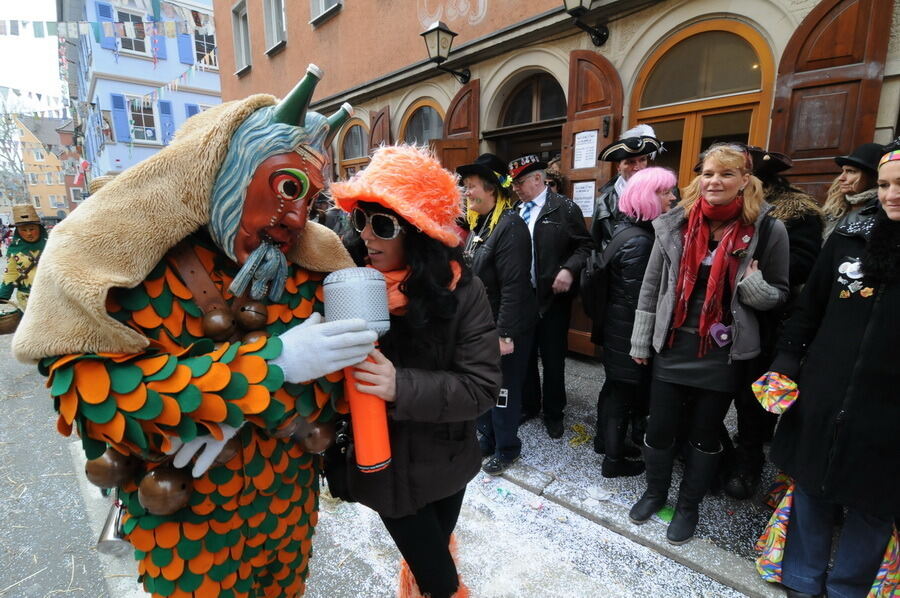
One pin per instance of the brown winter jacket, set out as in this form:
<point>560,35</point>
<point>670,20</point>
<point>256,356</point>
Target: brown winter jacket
<point>440,392</point>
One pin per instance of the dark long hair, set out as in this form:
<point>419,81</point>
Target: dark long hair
<point>881,261</point>
<point>431,303</point>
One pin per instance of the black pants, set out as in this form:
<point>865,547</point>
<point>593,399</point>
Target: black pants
<point>499,427</point>
<point>667,403</point>
<point>755,424</point>
<point>424,541</point>
<point>550,343</point>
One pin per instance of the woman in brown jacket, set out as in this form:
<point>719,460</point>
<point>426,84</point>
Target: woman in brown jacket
<point>439,366</point>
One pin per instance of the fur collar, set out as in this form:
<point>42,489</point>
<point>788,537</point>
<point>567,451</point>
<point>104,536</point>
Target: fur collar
<point>788,204</point>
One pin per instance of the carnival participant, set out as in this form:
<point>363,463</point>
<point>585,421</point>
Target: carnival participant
<point>437,369</point>
<point>648,195</point>
<point>555,180</point>
<point>803,220</point>
<point>176,313</point>
<point>560,244</point>
<point>630,153</point>
<point>498,250</point>
<point>852,198</point>
<point>838,439</point>
<point>706,278</point>
<point>23,255</point>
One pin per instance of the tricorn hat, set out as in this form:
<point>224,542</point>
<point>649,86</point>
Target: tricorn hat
<point>488,166</point>
<point>765,162</point>
<point>639,141</point>
<point>525,165</point>
<point>25,214</point>
<point>865,157</point>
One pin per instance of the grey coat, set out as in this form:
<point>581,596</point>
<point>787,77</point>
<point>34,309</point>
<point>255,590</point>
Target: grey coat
<point>763,290</point>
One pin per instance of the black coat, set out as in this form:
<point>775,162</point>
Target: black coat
<point>839,439</point>
<point>444,383</point>
<point>606,214</point>
<point>502,260</point>
<point>560,240</point>
<point>804,223</point>
<point>626,273</point>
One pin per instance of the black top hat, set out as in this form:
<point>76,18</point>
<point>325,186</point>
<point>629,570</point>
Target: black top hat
<point>765,162</point>
<point>488,166</point>
<point>865,157</point>
<point>525,165</point>
<point>629,147</point>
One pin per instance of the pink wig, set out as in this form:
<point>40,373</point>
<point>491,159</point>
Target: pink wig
<point>639,201</point>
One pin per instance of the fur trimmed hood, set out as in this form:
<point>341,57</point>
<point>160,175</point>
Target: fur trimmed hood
<point>117,236</point>
<point>790,204</point>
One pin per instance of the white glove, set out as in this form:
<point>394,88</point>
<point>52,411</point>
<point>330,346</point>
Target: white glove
<point>314,348</point>
<point>207,447</point>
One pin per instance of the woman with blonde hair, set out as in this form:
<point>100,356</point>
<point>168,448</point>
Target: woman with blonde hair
<point>716,259</point>
<point>853,197</point>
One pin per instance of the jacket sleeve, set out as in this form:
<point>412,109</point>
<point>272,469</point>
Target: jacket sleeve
<point>9,278</point>
<point>802,326</point>
<point>579,239</point>
<point>769,287</point>
<point>645,315</point>
<point>633,259</point>
<point>513,254</point>
<point>471,386</point>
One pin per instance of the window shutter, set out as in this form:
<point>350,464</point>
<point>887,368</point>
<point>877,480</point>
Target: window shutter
<point>159,41</point>
<point>105,15</point>
<point>120,118</point>
<point>166,122</point>
<point>186,48</point>
<point>191,109</point>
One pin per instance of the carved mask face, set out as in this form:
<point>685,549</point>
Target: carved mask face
<point>277,202</point>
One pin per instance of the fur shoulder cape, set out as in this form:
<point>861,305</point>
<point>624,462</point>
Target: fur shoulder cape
<point>790,204</point>
<point>117,236</point>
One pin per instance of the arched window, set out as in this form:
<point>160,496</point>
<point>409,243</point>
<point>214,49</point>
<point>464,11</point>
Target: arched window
<point>709,82</point>
<point>353,148</point>
<point>537,98</point>
<point>422,122</point>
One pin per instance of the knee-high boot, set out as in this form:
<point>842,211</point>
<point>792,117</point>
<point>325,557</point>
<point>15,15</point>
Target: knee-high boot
<point>659,478</point>
<point>698,474</point>
<point>614,463</point>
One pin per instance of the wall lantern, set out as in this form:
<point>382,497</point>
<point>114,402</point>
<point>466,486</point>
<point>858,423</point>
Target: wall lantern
<point>576,8</point>
<point>438,39</point>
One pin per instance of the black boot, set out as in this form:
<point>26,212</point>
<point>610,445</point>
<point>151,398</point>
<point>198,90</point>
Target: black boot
<point>698,473</point>
<point>659,478</point>
<point>599,444</point>
<point>743,478</point>
<point>615,464</point>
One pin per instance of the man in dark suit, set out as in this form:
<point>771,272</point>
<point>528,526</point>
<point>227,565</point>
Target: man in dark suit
<point>560,245</point>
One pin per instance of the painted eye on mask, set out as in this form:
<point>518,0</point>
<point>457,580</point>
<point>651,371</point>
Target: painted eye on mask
<point>290,184</point>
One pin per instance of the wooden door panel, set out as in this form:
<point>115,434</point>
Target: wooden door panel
<point>463,114</point>
<point>453,153</point>
<point>839,39</point>
<point>380,128</point>
<point>822,117</point>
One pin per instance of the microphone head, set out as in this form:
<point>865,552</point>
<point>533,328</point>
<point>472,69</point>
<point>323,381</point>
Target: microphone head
<point>357,293</point>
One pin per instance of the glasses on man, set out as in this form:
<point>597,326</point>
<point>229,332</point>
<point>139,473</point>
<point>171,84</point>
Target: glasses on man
<point>384,226</point>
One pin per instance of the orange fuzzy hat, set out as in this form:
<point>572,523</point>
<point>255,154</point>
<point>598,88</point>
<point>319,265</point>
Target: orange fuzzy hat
<point>410,181</point>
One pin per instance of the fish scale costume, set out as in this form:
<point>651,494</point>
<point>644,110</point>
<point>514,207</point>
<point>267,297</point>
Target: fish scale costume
<point>119,335</point>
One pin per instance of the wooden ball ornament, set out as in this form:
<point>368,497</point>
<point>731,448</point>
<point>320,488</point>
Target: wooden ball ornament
<point>112,469</point>
<point>288,430</point>
<point>218,324</point>
<point>253,336</point>
<point>165,490</point>
<point>315,438</point>
<point>252,315</point>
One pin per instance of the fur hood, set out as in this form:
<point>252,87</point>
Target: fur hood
<point>117,236</point>
<point>792,203</point>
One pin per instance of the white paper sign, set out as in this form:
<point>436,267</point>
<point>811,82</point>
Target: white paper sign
<point>585,149</point>
<point>583,196</point>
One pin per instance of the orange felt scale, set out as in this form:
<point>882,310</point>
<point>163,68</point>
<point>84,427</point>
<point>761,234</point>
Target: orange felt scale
<point>92,381</point>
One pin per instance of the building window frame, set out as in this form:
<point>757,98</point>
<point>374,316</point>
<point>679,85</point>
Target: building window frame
<point>205,43</point>
<point>33,178</point>
<point>36,201</point>
<point>147,109</point>
<point>38,155</point>
<point>136,19</point>
<point>240,29</point>
<point>535,81</point>
<point>352,165</point>
<point>322,10</point>
<point>411,111</point>
<point>76,194</point>
<point>759,101</point>
<point>275,20</point>
<point>48,178</point>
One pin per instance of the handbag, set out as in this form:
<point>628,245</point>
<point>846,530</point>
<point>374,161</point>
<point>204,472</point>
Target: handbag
<point>337,460</point>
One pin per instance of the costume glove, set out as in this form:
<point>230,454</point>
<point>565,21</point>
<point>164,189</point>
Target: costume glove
<point>775,392</point>
<point>314,348</point>
<point>205,448</point>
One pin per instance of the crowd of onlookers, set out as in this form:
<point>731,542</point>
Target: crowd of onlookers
<point>736,289</point>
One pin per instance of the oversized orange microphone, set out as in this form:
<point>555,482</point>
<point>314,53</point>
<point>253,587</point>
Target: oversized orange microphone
<point>362,293</point>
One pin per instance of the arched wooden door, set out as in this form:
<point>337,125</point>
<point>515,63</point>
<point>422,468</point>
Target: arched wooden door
<point>380,128</point>
<point>593,120</point>
<point>828,87</point>
<point>461,128</point>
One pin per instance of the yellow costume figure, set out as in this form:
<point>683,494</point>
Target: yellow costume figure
<point>23,255</point>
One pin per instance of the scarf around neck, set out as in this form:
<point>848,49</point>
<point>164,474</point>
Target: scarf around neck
<point>736,237</point>
<point>397,299</point>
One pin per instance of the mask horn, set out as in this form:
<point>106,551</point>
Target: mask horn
<point>336,121</point>
<point>292,109</point>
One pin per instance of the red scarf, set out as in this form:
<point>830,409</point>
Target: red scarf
<point>397,299</point>
<point>726,261</point>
